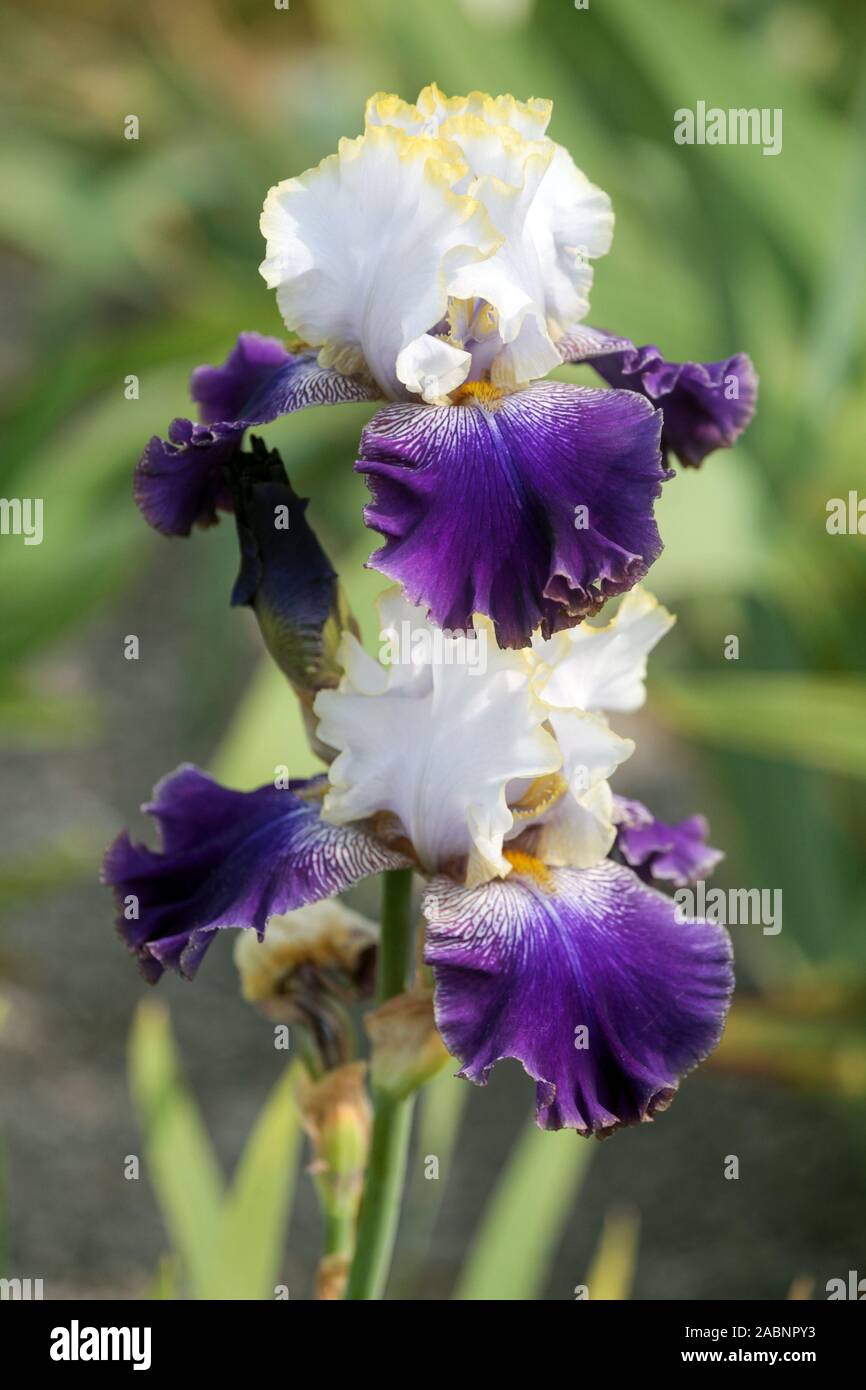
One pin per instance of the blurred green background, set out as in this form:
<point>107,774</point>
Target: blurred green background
<point>123,257</point>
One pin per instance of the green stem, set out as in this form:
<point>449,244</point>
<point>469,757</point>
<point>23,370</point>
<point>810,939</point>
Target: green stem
<point>395,946</point>
<point>392,1118</point>
<point>339,1233</point>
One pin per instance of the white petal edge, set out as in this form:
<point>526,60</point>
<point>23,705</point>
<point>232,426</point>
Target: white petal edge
<point>361,250</point>
<point>603,668</point>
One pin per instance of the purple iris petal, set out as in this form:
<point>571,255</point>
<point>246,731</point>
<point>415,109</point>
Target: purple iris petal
<point>229,859</point>
<point>179,481</point>
<point>677,854</point>
<point>531,508</point>
<point>706,405</point>
<point>222,392</point>
<point>523,967</point>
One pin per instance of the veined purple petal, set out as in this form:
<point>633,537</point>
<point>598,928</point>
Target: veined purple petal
<point>221,393</point>
<point>229,859</point>
<point>706,405</point>
<point>531,508</point>
<point>677,854</point>
<point>587,979</point>
<point>179,482</point>
<point>301,382</point>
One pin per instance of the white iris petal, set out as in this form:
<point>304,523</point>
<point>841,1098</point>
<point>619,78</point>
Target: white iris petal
<point>552,219</point>
<point>603,668</point>
<point>361,250</point>
<point>469,746</point>
<point>452,199</point>
<point>439,745</point>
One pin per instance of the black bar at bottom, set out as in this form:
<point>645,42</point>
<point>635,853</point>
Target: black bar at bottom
<point>66,1338</point>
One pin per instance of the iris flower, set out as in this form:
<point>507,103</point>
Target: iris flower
<point>491,780</point>
<point>442,261</point>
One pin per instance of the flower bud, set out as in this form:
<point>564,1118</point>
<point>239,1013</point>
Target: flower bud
<point>406,1047</point>
<point>312,963</point>
<point>336,1114</point>
<point>285,575</point>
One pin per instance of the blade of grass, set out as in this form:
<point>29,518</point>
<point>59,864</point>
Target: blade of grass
<point>441,1105</point>
<point>253,1224</point>
<point>165,1285</point>
<point>611,1274</point>
<point>267,722</point>
<point>712,63</point>
<point>523,1220</point>
<point>815,721</point>
<point>181,1161</point>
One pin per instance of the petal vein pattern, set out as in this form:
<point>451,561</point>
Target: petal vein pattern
<point>469,496</point>
<point>229,859</point>
<point>180,482</point>
<point>587,979</point>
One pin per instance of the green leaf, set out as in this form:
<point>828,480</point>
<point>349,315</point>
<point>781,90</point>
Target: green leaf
<point>521,1224</point>
<point>837,331</point>
<point>166,1283</point>
<point>181,1161</point>
<point>711,62</point>
<point>612,1271</point>
<point>52,865</point>
<point>31,717</point>
<point>728,557</point>
<point>253,1222</point>
<point>811,1037</point>
<point>441,1107</point>
<point>267,727</point>
<point>229,1243</point>
<point>92,531</point>
<point>815,721</point>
